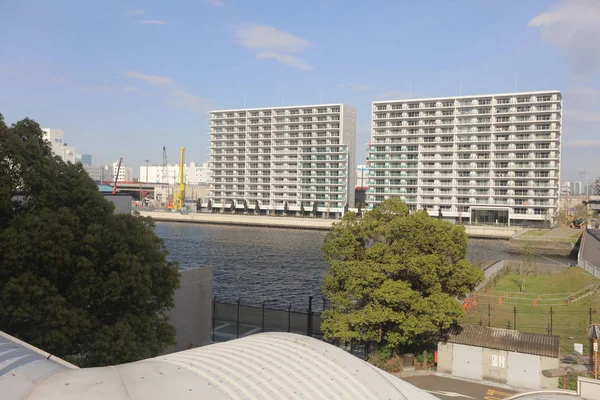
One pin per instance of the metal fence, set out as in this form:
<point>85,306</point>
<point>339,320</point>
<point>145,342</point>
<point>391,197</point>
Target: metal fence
<point>236,320</point>
<point>589,267</point>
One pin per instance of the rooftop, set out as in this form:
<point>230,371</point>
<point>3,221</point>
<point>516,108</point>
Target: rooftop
<point>505,339</point>
<point>474,96</point>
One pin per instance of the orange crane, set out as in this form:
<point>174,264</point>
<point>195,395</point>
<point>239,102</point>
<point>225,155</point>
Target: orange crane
<point>117,176</point>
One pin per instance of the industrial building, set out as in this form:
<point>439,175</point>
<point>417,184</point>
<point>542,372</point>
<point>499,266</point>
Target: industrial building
<point>60,148</point>
<point>272,158</point>
<point>195,174</point>
<point>485,159</point>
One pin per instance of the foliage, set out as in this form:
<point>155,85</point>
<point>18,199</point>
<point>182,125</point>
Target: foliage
<point>285,208</point>
<point>257,208</point>
<point>245,206</point>
<point>209,205</point>
<point>75,279</point>
<point>580,212</point>
<point>394,277</point>
<point>430,358</point>
<point>314,209</point>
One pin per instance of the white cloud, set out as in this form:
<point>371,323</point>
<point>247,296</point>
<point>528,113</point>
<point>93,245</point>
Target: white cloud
<point>215,3</point>
<point>187,101</point>
<point>286,59</point>
<point>175,94</point>
<point>153,22</point>
<point>269,42</point>
<point>155,80</point>
<point>136,12</point>
<point>58,81</point>
<point>582,143</point>
<point>572,26</point>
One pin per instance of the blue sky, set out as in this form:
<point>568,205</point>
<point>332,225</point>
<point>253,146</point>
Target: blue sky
<point>124,78</point>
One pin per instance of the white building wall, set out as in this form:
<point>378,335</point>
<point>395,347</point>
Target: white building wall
<point>125,173</point>
<point>194,174</point>
<point>296,155</point>
<point>489,152</point>
<point>56,137</point>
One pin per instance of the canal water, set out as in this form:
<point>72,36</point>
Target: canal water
<point>277,266</point>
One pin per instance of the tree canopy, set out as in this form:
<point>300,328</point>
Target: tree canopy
<point>75,279</point>
<point>394,277</point>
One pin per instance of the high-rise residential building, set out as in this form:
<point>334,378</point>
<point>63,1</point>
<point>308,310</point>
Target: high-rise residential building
<point>302,156</point>
<point>482,159</point>
<point>56,137</point>
<point>125,173</point>
<point>84,159</point>
<point>576,189</point>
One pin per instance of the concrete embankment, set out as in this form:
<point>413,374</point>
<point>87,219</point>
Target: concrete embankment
<point>320,224</point>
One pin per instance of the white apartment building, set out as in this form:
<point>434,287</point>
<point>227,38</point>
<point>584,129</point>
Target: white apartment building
<point>298,155</point>
<point>195,174</point>
<point>56,137</point>
<point>482,159</point>
<point>125,173</point>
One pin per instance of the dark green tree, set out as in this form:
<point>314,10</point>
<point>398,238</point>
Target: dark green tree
<point>209,205</point>
<point>314,209</point>
<point>285,208</point>
<point>75,279</point>
<point>257,208</point>
<point>394,277</point>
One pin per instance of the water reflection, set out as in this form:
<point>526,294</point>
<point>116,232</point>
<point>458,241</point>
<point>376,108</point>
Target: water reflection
<point>282,266</point>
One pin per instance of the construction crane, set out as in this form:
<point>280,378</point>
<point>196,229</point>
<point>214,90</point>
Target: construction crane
<point>180,196</point>
<point>117,175</point>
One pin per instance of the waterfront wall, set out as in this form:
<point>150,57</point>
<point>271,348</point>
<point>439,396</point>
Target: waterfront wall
<point>487,232</point>
<point>192,313</point>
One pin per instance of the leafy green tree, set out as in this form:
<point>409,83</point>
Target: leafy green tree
<point>75,279</point>
<point>394,277</point>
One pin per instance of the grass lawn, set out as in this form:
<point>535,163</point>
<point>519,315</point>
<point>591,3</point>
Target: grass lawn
<point>535,232</point>
<point>569,322</point>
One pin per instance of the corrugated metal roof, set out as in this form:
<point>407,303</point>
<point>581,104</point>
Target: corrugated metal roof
<point>265,366</point>
<point>505,339</point>
<point>23,366</point>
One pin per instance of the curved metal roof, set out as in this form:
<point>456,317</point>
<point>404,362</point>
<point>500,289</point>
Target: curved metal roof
<point>266,366</point>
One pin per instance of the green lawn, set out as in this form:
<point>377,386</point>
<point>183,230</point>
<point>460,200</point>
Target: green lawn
<point>569,322</point>
<point>535,232</point>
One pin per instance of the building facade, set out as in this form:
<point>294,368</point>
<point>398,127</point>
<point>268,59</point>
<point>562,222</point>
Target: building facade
<point>195,174</point>
<point>125,173</point>
<point>56,137</point>
<point>301,156</point>
<point>85,159</point>
<point>486,159</point>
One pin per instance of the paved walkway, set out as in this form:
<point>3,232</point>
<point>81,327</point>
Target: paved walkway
<point>455,389</point>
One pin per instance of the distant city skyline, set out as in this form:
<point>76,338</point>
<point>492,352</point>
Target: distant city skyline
<point>113,94</point>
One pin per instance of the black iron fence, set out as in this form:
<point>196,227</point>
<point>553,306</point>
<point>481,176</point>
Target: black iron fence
<point>235,320</point>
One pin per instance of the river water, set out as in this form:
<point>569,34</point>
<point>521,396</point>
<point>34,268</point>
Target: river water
<point>279,266</point>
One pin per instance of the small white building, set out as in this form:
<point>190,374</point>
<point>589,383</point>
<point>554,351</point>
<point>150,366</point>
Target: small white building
<point>499,355</point>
